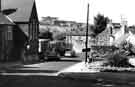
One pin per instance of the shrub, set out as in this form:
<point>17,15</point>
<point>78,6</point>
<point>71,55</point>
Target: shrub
<point>127,48</point>
<point>117,59</point>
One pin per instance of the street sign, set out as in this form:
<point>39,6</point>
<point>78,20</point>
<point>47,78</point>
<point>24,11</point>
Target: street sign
<point>86,50</point>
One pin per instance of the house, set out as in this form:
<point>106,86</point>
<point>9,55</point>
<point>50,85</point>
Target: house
<point>6,32</point>
<point>26,20</point>
<point>78,40</point>
<point>103,38</point>
<point>106,37</point>
<point>11,47</point>
<point>119,35</point>
<point>127,35</point>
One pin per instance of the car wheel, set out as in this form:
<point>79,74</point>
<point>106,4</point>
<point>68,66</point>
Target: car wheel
<point>45,58</point>
<point>73,54</point>
<point>58,56</point>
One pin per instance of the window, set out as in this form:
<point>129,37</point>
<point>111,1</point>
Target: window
<point>30,31</point>
<point>34,28</point>
<point>8,34</point>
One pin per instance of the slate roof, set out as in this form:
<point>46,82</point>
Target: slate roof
<point>24,9</point>
<point>5,20</point>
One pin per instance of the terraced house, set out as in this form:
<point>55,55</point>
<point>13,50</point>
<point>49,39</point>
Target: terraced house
<point>26,21</point>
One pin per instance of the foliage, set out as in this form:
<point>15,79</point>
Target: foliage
<point>46,35</point>
<point>127,48</point>
<point>59,36</point>
<point>93,35</point>
<point>100,23</point>
<point>103,50</point>
<point>117,59</point>
<point>120,57</point>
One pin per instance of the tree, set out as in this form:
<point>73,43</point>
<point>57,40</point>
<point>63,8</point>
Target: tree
<point>60,36</point>
<point>100,23</point>
<point>46,35</point>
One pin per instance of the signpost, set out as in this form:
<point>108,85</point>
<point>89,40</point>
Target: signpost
<point>86,50</point>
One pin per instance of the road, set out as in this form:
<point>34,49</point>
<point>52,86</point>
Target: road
<point>37,75</point>
<point>51,66</point>
<point>43,75</point>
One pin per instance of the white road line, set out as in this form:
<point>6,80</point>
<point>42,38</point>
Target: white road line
<point>30,74</point>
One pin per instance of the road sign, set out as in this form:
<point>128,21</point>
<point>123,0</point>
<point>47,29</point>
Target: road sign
<point>86,50</point>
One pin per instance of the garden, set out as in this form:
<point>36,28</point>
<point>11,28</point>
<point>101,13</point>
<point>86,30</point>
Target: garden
<point>115,59</point>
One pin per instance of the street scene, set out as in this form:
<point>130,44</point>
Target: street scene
<point>67,43</point>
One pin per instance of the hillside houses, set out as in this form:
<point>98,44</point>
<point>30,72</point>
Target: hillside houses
<point>54,24</point>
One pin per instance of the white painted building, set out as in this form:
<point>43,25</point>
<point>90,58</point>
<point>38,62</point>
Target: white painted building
<point>78,41</point>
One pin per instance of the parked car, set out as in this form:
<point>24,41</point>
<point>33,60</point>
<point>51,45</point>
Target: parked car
<point>70,53</point>
<point>52,49</point>
<point>51,54</point>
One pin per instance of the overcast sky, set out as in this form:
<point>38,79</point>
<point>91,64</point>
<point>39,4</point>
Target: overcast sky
<point>75,10</point>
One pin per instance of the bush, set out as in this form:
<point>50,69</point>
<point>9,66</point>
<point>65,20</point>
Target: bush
<point>117,59</point>
<point>127,48</point>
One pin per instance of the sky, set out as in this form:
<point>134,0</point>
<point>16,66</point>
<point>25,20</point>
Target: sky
<point>76,10</point>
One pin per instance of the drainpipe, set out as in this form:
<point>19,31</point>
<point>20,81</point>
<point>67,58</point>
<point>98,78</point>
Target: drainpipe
<point>0,6</point>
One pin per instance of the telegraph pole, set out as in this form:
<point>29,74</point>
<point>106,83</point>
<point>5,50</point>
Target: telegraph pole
<point>87,26</point>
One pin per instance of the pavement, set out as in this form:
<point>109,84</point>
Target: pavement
<point>50,68</point>
<point>79,72</point>
<point>82,67</point>
<point>4,65</point>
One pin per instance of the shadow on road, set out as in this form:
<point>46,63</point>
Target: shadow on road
<point>30,71</point>
<point>57,81</point>
<point>42,81</point>
<point>65,60</point>
<point>69,60</point>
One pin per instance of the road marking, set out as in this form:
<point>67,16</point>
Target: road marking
<point>30,74</point>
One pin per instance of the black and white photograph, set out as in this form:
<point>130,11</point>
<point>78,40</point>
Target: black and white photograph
<point>67,43</point>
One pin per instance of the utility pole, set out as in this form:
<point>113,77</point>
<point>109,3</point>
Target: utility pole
<point>87,26</point>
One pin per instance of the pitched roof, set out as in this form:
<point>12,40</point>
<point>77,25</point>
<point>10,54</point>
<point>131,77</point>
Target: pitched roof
<point>24,9</point>
<point>5,20</point>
